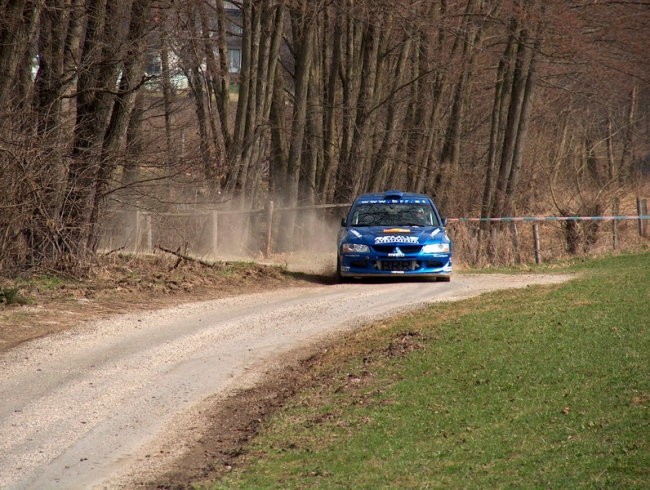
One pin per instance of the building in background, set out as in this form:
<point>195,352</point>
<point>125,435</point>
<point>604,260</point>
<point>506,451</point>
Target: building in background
<point>233,37</point>
<point>178,76</point>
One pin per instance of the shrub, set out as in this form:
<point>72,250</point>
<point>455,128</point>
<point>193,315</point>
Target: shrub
<point>11,296</point>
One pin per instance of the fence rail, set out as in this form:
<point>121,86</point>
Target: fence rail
<point>549,218</point>
<point>536,220</point>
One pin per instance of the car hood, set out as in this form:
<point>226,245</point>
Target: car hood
<point>376,235</point>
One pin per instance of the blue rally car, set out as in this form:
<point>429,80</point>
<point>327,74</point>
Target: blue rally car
<point>393,234</point>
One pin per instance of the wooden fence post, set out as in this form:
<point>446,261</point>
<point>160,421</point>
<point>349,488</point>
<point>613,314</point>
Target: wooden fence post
<point>215,236</point>
<point>615,211</point>
<point>149,233</point>
<point>538,254</point>
<point>642,210</point>
<point>138,231</point>
<point>269,229</point>
<point>143,233</point>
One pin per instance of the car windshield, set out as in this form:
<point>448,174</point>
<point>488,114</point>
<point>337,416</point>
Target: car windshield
<point>402,214</point>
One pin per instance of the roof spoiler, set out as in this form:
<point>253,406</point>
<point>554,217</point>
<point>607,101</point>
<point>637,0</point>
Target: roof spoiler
<point>393,194</point>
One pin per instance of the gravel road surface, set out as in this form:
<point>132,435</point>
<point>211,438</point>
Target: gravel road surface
<point>88,407</point>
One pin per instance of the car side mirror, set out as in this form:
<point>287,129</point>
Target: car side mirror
<point>343,224</point>
<point>444,222</point>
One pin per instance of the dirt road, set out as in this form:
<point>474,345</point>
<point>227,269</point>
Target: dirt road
<point>100,404</point>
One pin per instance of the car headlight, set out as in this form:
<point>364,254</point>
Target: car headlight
<point>436,248</point>
<point>354,248</point>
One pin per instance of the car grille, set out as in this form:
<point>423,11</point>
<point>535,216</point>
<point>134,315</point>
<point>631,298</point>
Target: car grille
<point>389,249</point>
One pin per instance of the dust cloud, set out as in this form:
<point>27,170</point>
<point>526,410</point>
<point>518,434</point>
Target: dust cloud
<point>227,232</point>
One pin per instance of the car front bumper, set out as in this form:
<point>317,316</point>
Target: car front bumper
<point>369,265</point>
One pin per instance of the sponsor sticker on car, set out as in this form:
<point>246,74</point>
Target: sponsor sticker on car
<point>395,239</point>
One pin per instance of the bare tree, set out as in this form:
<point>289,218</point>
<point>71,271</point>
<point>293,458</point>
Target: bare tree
<point>492,106</point>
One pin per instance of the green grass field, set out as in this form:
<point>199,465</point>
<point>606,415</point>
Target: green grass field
<point>541,387</point>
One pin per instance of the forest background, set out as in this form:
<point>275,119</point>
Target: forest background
<point>493,107</point>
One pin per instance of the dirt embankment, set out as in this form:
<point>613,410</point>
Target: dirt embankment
<point>123,283</point>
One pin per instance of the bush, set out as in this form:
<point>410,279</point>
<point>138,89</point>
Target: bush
<point>11,296</point>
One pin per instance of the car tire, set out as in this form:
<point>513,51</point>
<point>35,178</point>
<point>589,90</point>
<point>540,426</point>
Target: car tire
<point>339,278</point>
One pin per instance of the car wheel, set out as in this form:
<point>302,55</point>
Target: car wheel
<point>339,278</point>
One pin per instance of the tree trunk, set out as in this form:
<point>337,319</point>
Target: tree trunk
<point>359,152</point>
<point>97,76</point>
<point>350,81</point>
<point>387,151</point>
<point>303,46</point>
<point>330,154</point>
<point>235,150</point>
<point>166,85</point>
<point>279,170</point>
<point>134,142</point>
<point>512,124</point>
<point>114,138</point>
<point>522,130</point>
<point>501,92</point>
<point>450,152</point>
<point>17,30</point>
<point>251,129</point>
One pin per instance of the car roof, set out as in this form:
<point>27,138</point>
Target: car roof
<point>392,195</point>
